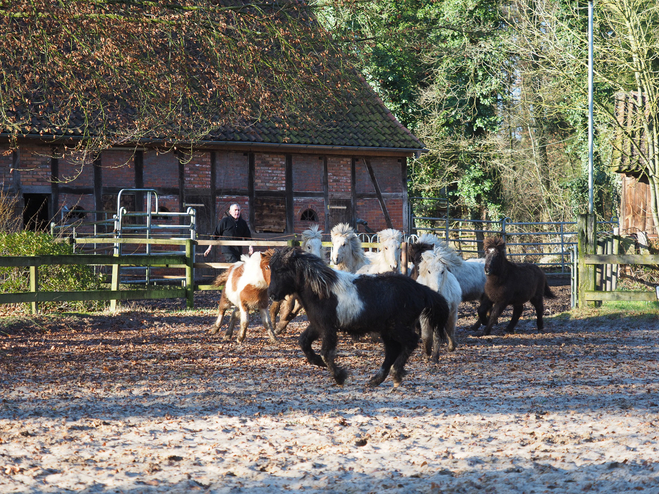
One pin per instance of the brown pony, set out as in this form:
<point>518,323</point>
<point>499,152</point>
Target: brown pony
<point>513,284</point>
<point>245,287</point>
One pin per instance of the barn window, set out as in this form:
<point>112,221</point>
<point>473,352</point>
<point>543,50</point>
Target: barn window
<point>309,215</point>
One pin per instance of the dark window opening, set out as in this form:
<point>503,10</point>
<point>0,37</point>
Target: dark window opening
<point>309,215</point>
<point>35,212</point>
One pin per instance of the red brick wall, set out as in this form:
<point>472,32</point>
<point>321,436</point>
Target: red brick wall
<point>232,170</point>
<point>370,210</point>
<point>338,176</point>
<point>118,169</point>
<point>198,171</point>
<point>160,170</point>
<point>302,204</point>
<point>74,174</point>
<point>387,172</point>
<point>307,173</point>
<point>270,172</point>
<point>34,165</point>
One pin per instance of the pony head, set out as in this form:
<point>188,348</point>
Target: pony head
<point>495,255</point>
<point>425,242</point>
<point>433,269</point>
<point>345,244</point>
<point>293,271</point>
<point>312,241</point>
<point>390,241</point>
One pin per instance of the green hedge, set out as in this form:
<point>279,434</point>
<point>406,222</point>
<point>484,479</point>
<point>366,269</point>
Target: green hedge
<point>51,278</point>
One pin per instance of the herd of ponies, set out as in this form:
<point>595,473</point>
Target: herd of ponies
<point>358,293</point>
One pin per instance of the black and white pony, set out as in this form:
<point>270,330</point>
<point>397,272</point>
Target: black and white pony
<point>388,304</point>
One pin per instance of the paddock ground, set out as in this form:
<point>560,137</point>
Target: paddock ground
<point>148,401</point>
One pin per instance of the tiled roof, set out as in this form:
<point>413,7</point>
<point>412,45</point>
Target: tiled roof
<point>345,113</point>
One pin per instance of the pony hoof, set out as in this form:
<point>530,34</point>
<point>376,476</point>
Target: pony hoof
<point>214,330</point>
<point>341,376</point>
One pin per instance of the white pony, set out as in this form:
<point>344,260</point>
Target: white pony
<point>434,273</point>
<point>347,253</point>
<point>388,257</point>
<point>312,241</point>
<point>470,273</point>
<point>288,309</point>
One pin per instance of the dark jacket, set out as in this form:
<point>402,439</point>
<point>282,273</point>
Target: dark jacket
<point>228,228</point>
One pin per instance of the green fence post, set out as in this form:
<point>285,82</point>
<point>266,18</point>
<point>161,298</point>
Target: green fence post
<point>114,285</point>
<point>587,239</point>
<point>34,287</point>
<point>189,272</point>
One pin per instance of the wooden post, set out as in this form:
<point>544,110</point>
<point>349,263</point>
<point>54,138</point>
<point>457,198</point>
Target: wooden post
<point>616,251</point>
<point>189,272</point>
<point>114,285</point>
<point>587,234</point>
<point>403,258</point>
<point>34,287</point>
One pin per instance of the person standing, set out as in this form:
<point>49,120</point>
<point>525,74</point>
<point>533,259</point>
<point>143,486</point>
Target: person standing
<point>232,226</point>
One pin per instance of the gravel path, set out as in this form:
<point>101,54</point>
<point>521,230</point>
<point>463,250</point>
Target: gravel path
<point>147,401</point>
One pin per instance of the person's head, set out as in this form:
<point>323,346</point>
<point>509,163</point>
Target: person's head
<point>234,211</point>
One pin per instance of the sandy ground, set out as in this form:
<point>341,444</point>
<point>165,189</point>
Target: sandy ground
<point>147,401</point>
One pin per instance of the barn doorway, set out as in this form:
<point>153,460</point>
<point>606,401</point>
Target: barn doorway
<point>36,212</point>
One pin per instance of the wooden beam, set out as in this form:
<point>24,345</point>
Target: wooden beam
<point>374,180</point>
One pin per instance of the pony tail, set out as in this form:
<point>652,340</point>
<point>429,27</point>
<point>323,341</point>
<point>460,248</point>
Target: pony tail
<point>221,279</point>
<point>548,292</point>
<point>435,315</point>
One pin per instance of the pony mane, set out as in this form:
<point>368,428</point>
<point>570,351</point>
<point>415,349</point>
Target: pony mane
<point>342,230</point>
<point>494,243</point>
<point>390,234</point>
<point>428,238</point>
<point>310,270</point>
<point>314,232</point>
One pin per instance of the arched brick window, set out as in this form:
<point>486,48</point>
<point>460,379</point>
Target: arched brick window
<point>309,215</point>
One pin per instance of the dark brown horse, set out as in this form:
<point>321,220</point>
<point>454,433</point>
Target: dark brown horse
<point>510,283</point>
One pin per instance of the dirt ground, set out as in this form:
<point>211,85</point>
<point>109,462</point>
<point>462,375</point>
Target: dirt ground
<point>148,401</point>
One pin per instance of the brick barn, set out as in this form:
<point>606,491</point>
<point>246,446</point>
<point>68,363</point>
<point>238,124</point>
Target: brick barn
<point>337,155</point>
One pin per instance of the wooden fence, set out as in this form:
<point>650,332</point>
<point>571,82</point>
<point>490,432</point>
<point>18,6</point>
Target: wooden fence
<point>116,293</point>
<point>597,265</point>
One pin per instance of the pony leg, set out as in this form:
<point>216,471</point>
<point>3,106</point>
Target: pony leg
<point>483,309</point>
<point>218,322</point>
<point>307,337</point>
<point>497,309</point>
<point>450,336</point>
<point>392,350</point>
<point>398,368</point>
<point>275,307</point>
<point>539,312</point>
<point>232,323</point>
<point>265,319</point>
<point>328,352</point>
<point>427,335</point>
<point>244,322</point>
<point>223,306</point>
<point>517,312</point>
<point>290,308</point>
